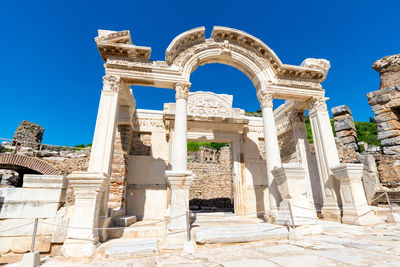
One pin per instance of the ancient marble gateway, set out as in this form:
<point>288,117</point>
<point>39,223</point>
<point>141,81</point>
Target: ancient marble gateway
<point>138,163</point>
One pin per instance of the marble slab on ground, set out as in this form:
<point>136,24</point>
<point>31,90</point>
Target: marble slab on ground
<point>239,233</point>
<point>133,248</point>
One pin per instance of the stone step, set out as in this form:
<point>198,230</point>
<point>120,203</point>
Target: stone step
<point>239,233</point>
<point>381,212</point>
<point>123,221</point>
<point>141,229</point>
<point>139,247</point>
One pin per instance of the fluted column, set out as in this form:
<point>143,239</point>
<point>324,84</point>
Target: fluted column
<point>272,152</point>
<point>327,156</point>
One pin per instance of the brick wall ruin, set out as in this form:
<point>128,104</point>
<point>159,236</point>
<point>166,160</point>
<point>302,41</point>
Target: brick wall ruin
<point>212,188</point>
<point>122,146</point>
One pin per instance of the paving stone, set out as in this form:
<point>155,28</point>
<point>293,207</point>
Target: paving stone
<point>252,263</point>
<point>303,260</point>
<point>353,256</point>
<point>139,247</point>
<point>280,249</point>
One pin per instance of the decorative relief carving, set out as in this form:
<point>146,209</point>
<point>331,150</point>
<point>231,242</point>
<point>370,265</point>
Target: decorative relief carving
<point>283,125</point>
<point>317,104</point>
<point>297,116</point>
<point>265,99</point>
<point>138,63</point>
<point>148,124</point>
<point>317,64</point>
<point>225,49</point>
<point>182,90</point>
<point>255,129</point>
<point>111,83</point>
<point>209,104</point>
<point>298,84</point>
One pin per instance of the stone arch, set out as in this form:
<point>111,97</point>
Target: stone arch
<point>13,161</point>
<point>240,50</point>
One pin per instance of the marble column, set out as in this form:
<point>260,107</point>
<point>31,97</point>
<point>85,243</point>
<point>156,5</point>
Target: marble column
<point>303,151</point>
<point>91,188</point>
<point>327,156</point>
<point>272,152</point>
<point>104,134</point>
<point>179,178</point>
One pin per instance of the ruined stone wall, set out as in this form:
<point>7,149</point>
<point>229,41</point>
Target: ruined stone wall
<point>28,134</point>
<point>212,187</point>
<point>385,103</point>
<point>345,127</point>
<point>122,145</point>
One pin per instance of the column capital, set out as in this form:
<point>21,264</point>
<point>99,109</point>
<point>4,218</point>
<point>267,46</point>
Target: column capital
<point>317,104</point>
<point>297,116</point>
<point>111,83</point>
<point>182,90</point>
<point>265,99</point>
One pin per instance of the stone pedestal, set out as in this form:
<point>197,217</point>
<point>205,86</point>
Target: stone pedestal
<point>355,207</point>
<point>179,183</point>
<point>291,184</point>
<point>89,213</point>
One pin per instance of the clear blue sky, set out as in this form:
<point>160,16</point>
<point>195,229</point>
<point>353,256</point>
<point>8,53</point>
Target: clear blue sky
<point>51,72</point>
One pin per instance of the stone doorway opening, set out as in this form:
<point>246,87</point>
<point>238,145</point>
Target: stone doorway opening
<point>212,188</point>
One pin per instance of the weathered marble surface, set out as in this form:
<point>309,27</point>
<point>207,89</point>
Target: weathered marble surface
<point>340,245</point>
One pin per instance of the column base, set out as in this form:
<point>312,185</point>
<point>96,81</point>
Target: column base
<point>393,218</point>
<point>365,216</point>
<point>104,223</point>
<point>331,214</point>
<point>175,240</point>
<point>179,182</point>
<point>79,248</point>
<point>303,212</point>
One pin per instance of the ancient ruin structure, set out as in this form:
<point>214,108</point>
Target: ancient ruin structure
<point>345,127</point>
<point>386,106</point>
<point>28,134</point>
<point>154,181</point>
<point>139,167</point>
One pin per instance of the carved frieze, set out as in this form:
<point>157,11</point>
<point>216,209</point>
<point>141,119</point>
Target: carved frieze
<point>209,104</point>
<point>256,129</point>
<point>298,84</point>
<point>283,125</point>
<point>148,124</point>
<point>148,64</point>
